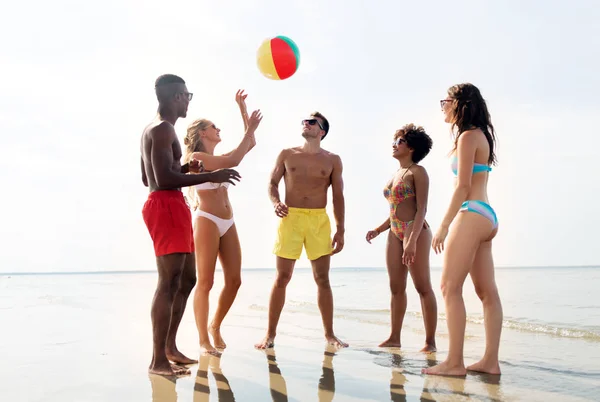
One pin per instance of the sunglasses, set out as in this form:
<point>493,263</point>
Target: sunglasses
<point>189,95</point>
<point>443,102</point>
<point>312,122</point>
<point>399,141</point>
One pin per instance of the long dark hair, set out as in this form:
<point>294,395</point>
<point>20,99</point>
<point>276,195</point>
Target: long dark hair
<point>470,111</point>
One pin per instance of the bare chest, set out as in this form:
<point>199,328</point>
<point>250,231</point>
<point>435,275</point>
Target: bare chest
<point>177,154</point>
<point>302,167</point>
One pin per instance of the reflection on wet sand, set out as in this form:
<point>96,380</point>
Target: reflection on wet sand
<point>326,384</point>
<point>163,388</point>
<point>327,380</point>
<point>477,386</point>
<point>202,387</point>
<point>276,380</point>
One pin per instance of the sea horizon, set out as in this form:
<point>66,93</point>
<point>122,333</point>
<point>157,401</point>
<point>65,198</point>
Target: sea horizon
<point>148,271</point>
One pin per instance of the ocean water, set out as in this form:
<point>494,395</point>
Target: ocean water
<point>550,339</point>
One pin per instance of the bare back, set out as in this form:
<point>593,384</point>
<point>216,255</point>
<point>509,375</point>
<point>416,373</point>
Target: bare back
<point>307,177</point>
<point>473,149</point>
<point>150,148</point>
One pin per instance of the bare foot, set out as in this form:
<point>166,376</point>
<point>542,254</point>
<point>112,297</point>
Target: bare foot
<point>168,370</point>
<point>335,341</point>
<point>445,369</point>
<point>266,343</point>
<point>177,357</point>
<point>429,348</point>
<point>217,339</point>
<point>208,349</point>
<point>483,366</point>
<point>390,343</point>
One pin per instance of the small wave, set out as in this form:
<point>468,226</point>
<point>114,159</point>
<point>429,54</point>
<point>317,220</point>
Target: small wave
<point>381,317</point>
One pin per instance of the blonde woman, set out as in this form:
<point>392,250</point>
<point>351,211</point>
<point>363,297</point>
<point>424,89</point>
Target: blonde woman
<point>215,234</point>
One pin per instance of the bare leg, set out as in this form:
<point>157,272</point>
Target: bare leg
<point>325,298</point>
<point>186,284</point>
<point>419,272</point>
<point>397,273</point>
<point>170,268</point>
<point>285,267</point>
<point>230,255</point>
<point>462,244</point>
<point>482,275</point>
<point>206,238</point>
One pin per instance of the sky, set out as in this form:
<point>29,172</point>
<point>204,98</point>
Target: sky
<point>77,90</point>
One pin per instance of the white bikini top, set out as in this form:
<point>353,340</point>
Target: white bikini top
<point>211,186</point>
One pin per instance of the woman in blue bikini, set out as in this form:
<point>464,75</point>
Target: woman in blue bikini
<point>215,234</point>
<point>468,248</point>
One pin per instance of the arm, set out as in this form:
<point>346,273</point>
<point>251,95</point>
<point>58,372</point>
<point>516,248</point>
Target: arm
<point>144,177</point>
<point>229,160</point>
<point>383,227</point>
<point>466,158</point>
<point>421,183</point>
<point>161,157</point>
<point>337,189</point>
<point>240,98</point>
<point>276,175</point>
<point>214,162</point>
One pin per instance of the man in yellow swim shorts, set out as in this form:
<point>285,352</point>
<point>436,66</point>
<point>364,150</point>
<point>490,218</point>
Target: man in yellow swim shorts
<point>308,171</point>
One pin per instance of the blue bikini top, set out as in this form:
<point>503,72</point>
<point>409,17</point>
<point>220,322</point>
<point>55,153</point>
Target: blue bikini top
<point>477,167</point>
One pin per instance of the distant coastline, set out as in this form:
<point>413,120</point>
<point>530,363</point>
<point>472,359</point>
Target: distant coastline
<point>134,272</point>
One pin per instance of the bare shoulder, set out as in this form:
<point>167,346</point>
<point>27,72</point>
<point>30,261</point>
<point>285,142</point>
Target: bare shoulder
<point>286,152</point>
<point>161,130</point>
<point>470,135</point>
<point>418,171</point>
<point>335,158</point>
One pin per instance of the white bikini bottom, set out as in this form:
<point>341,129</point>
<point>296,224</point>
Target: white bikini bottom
<point>222,224</point>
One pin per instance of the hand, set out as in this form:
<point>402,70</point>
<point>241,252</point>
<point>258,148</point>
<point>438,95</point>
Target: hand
<point>196,166</point>
<point>254,121</point>
<point>224,176</point>
<point>410,249</point>
<point>281,210</point>
<point>240,98</point>
<point>338,242</point>
<point>438,240</point>
<point>371,234</point>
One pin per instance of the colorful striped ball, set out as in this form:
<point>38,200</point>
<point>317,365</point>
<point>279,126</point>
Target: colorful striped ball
<point>278,58</point>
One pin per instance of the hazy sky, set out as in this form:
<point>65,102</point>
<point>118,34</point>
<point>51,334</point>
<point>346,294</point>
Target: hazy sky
<point>77,90</point>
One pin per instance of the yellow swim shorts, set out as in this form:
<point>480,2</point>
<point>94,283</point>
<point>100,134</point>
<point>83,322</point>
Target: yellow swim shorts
<point>303,226</point>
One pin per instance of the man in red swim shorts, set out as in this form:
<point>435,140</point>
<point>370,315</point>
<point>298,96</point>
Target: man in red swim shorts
<point>169,220</point>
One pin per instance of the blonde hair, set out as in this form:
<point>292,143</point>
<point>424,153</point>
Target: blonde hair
<point>193,143</point>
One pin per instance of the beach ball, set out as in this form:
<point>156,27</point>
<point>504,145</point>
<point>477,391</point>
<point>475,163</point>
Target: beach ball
<point>278,58</point>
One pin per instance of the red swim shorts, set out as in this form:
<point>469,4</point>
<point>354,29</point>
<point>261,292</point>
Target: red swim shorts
<point>169,221</point>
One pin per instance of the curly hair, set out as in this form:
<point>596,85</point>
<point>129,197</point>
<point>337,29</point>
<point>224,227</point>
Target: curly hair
<point>468,111</point>
<point>416,139</point>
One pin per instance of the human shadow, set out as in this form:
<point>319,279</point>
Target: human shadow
<point>202,387</point>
